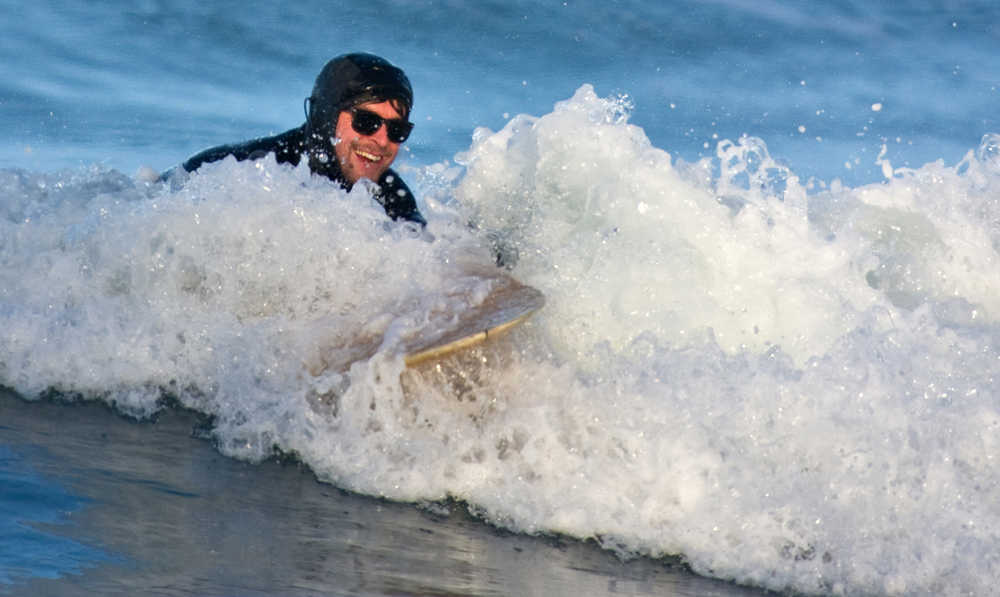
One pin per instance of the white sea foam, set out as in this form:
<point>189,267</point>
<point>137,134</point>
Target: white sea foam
<point>791,388</point>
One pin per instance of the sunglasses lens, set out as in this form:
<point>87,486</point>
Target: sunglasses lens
<point>398,130</point>
<point>365,123</point>
<point>368,123</point>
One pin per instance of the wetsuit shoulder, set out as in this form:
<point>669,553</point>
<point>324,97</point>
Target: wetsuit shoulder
<point>287,148</point>
<point>397,199</point>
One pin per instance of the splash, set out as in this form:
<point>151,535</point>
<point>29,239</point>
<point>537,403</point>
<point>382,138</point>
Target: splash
<point>790,387</point>
<point>634,247</point>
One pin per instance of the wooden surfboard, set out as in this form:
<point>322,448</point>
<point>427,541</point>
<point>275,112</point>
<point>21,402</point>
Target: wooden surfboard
<point>509,304</point>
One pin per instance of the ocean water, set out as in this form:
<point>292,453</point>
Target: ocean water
<point>768,235</point>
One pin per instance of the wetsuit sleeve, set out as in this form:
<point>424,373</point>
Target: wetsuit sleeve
<point>397,199</point>
<point>215,154</point>
<point>287,147</point>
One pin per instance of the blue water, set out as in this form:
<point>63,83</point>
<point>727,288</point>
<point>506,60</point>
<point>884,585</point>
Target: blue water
<point>147,84</point>
<point>768,233</point>
<point>28,501</point>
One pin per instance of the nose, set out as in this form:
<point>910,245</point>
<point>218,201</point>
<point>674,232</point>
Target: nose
<point>381,136</point>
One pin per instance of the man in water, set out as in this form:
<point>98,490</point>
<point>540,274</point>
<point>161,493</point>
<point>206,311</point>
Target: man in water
<point>356,119</point>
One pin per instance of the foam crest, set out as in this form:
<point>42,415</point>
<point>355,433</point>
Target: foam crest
<point>630,244</point>
<point>928,235</point>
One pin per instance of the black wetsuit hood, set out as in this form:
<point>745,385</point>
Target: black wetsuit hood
<point>353,79</point>
<point>347,81</point>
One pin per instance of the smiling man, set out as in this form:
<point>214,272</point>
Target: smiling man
<point>356,119</point>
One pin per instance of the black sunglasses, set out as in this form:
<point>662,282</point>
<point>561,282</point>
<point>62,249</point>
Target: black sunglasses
<point>368,123</point>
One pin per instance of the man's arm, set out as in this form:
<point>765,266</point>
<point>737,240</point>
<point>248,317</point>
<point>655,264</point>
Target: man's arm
<point>287,147</point>
<point>397,199</point>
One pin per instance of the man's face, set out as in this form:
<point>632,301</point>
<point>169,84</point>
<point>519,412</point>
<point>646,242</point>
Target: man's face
<point>365,156</point>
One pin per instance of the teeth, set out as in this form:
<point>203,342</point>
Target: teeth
<point>368,156</point>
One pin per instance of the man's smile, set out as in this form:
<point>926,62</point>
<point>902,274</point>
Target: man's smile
<point>371,157</point>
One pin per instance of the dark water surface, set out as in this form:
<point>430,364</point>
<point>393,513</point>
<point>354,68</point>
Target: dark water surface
<point>157,511</point>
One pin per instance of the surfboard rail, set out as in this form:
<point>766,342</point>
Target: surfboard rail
<point>508,305</point>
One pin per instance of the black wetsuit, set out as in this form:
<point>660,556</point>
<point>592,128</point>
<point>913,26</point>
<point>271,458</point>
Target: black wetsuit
<point>288,148</point>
